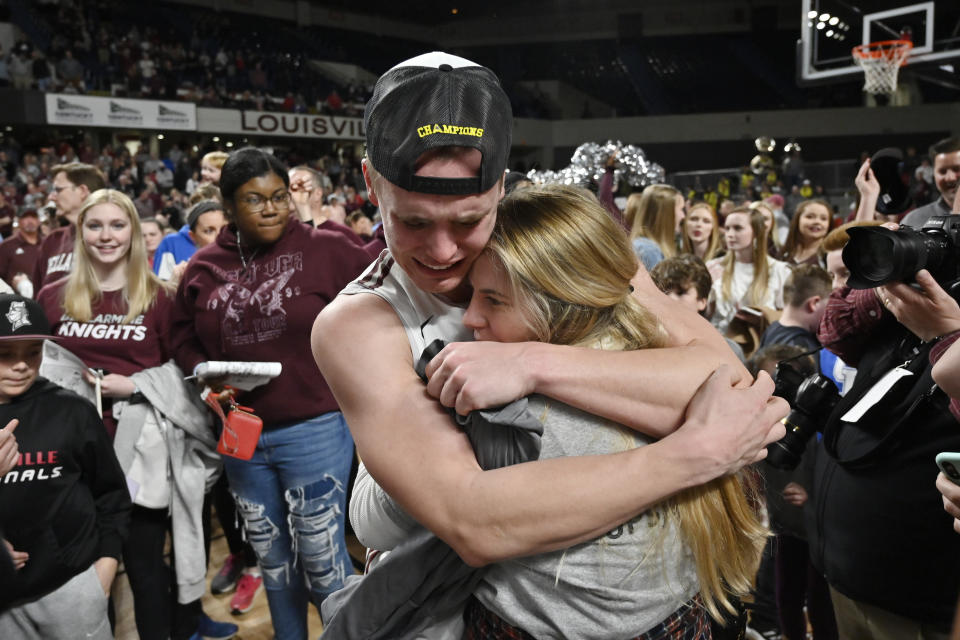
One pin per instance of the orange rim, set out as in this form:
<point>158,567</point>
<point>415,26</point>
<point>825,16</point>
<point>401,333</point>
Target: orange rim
<point>883,49</point>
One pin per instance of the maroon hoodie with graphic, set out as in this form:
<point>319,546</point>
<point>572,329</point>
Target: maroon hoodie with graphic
<point>264,312</point>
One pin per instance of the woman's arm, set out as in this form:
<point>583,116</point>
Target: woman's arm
<point>183,342</point>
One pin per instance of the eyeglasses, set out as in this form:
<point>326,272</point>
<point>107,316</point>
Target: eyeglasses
<point>255,202</point>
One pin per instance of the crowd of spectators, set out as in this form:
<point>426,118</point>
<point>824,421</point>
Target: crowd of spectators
<point>160,185</point>
<point>92,51</point>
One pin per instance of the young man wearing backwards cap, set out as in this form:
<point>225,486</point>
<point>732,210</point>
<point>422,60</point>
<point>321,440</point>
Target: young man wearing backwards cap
<point>438,137</point>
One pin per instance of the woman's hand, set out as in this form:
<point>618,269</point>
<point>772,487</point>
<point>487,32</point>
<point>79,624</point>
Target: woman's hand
<point>869,190</point>
<point>112,385</point>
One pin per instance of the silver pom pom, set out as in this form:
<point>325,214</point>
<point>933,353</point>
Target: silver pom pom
<point>589,162</point>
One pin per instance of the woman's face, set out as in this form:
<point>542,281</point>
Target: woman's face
<point>209,173</point>
<point>679,213</point>
<point>699,224</point>
<point>814,222</point>
<point>106,234</point>
<point>492,314</point>
<point>261,208</point>
<point>152,235</point>
<point>737,232</point>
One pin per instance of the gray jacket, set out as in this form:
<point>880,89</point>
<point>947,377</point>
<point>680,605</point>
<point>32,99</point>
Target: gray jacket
<point>193,462</point>
<point>423,580</point>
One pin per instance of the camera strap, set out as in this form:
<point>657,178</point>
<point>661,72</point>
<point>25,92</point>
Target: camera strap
<point>859,432</point>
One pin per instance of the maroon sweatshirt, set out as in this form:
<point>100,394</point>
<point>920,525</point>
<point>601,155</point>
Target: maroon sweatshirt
<point>18,256</point>
<point>265,312</point>
<point>56,256</point>
<point>106,342</point>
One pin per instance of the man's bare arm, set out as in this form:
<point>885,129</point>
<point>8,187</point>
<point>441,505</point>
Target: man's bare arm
<point>411,447</point>
<point>646,390</point>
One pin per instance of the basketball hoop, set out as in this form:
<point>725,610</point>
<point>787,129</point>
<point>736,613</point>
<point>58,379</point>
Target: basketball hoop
<point>881,62</point>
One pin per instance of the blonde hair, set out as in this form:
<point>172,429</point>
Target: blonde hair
<point>652,215</point>
<point>215,158</point>
<point>772,233</point>
<point>82,291</point>
<point>713,247</point>
<point>569,267</point>
<point>761,267</point>
<point>838,238</point>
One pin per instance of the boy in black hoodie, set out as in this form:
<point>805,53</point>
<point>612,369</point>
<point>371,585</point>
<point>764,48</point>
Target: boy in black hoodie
<point>64,506</point>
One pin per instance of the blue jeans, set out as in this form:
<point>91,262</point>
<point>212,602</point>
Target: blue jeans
<point>292,498</point>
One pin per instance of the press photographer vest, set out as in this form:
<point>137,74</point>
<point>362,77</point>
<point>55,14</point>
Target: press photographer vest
<point>876,524</point>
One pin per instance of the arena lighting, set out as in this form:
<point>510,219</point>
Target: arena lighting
<point>216,138</point>
<point>454,11</point>
<point>834,20</point>
<point>159,136</point>
<point>824,17</point>
<point>830,33</point>
<point>820,25</point>
<point>809,24</point>
<point>196,148</point>
<point>812,14</point>
<point>229,144</point>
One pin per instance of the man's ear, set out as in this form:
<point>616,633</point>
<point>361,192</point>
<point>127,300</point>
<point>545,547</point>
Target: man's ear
<point>85,189</point>
<point>810,304</point>
<point>368,179</point>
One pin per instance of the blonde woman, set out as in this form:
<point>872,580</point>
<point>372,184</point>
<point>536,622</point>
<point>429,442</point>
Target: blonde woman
<point>701,232</point>
<point>770,223</point>
<point>558,270</point>
<point>748,275</point>
<point>210,166</point>
<point>113,313</point>
<point>654,218</point>
<point>808,228</point>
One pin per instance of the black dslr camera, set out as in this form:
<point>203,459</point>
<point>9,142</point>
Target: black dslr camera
<point>811,399</point>
<point>876,255</point>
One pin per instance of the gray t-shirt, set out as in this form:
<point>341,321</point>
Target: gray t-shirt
<point>615,586</point>
<point>919,216</point>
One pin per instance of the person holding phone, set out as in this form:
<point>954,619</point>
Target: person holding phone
<point>864,486</point>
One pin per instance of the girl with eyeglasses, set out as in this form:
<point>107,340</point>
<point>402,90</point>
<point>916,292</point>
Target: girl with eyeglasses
<point>253,295</point>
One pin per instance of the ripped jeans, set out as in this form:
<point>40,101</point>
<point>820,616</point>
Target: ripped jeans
<point>291,496</point>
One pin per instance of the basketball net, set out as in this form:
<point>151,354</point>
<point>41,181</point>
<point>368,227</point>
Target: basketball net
<point>881,62</point>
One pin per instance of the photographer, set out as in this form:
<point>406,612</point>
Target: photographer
<point>872,500</point>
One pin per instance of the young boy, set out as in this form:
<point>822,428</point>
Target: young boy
<point>805,296</point>
<point>64,506</point>
<point>685,278</point>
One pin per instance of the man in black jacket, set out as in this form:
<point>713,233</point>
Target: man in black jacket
<point>65,504</point>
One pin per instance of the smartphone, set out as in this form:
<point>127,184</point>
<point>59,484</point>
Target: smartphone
<point>949,463</point>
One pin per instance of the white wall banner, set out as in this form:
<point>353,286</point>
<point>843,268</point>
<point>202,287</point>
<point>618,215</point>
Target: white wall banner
<point>271,123</point>
<point>95,111</point>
